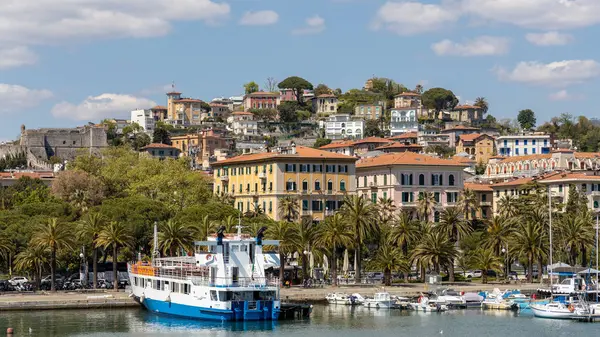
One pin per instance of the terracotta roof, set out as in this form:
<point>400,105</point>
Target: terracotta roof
<point>528,157</point>
<point>302,152</point>
<point>398,145</point>
<point>462,159</point>
<point>515,182</point>
<point>566,176</point>
<point>239,113</point>
<point>469,137</point>
<point>498,157</point>
<point>587,155</point>
<point>463,107</point>
<point>407,94</point>
<point>460,127</point>
<point>337,145</point>
<point>478,187</point>
<point>372,140</point>
<point>187,100</point>
<point>405,136</point>
<point>263,93</point>
<point>159,107</point>
<point>158,146</point>
<point>326,96</point>
<point>406,158</point>
<point>174,93</point>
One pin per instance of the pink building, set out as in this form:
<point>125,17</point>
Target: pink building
<point>261,100</point>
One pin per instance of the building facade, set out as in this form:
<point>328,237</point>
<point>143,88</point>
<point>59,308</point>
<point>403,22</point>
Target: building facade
<point>342,147</point>
<point>369,111</point>
<point>368,144</point>
<point>456,131</point>
<point>587,184</point>
<point>160,113</point>
<point>184,111</point>
<point>402,177</point>
<point>480,146</point>
<point>261,100</point>
<point>318,179</point>
<point>144,118</point>
<point>410,100</point>
<point>403,120</point>
<point>202,147</point>
<point>523,145</point>
<point>467,114</point>
<point>325,104</point>
<point>217,111</point>
<point>161,151</point>
<point>483,208</point>
<point>341,126</point>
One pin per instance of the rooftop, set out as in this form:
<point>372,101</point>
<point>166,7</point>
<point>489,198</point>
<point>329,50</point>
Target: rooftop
<point>372,140</point>
<point>464,107</point>
<point>407,158</point>
<point>338,144</point>
<point>263,93</point>
<point>302,152</point>
<point>159,107</point>
<point>478,187</point>
<point>572,176</point>
<point>408,94</point>
<point>398,145</point>
<point>188,100</point>
<point>460,127</point>
<point>158,146</point>
<point>326,96</point>
<point>406,135</point>
<point>242,113</point>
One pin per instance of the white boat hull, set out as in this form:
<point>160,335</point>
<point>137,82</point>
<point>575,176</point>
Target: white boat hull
<point>543,312</point>
<point>378,304</point>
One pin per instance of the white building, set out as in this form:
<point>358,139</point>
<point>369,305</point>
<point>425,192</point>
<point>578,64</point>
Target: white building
<point>403,120</point>
<point>144,118</point>
<point>523,145</point>
<point>243,123</point>
<point>341,126</point>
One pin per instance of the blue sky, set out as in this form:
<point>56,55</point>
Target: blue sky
<point>66,62</point>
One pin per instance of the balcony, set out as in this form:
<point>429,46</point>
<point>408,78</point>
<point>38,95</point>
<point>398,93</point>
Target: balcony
<point>262,175</point>
<point>485,203</point>
<point>409,204</point>
<point>224,178</point>
<point>594,193</point>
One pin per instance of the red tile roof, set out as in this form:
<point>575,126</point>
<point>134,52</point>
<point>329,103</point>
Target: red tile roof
<point>406,158</point>
<point>159,107</point>
<point>372,140</point>
<point>337,145</point>
<point>515,182</point>
<point>572,176</point>
<point>174,93</point>
<point>187,100</point>
<point>302,152</point>
<point>398,145</point>
<point>263,93</point>
<point>406,135</point>
<point>478,187</point>
<point>469,137</point>
<point>522,158</point>
<point>158,146</point>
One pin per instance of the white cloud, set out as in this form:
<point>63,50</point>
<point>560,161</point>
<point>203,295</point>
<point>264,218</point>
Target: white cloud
<point>16,98</point>
<point>538,14</point>
<point>314,25</point>
<point>564,95</point>
<point>259,18</point>
<point>42,22</point>
<point>16,57</point>
<point>101,106</point>
<point>479,46</point>
<point>408,18</point>
<point>549,39</point>
<point>562,73</point>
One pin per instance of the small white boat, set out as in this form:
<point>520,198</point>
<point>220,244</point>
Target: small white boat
<point>425,305</point>
<point>380,300</point>
<point>499,303</point>
<point>344,299</point>
<point>557,310</point>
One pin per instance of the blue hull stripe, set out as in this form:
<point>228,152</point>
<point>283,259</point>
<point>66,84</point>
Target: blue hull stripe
<point>186,311</point>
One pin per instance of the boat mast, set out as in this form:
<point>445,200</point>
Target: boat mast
<point>597,258</point>
<point>155,251</point>
<point>550,223</point>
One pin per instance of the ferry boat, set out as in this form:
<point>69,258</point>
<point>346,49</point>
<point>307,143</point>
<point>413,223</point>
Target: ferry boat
<point>224,280</point>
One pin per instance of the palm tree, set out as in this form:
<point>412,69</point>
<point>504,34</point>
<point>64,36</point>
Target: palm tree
<point>575,233</point>
<point>305,232</point>
<point>33,258</point>
<point>385,210</point>
<point>230,223</point>
<point>388,258</point>
<point>425,205</point>
<point>287,237</point>
<point>508,206</point>
<point>204,228</point>
<point>89,228</point>
<point>404,231</point>
<point>497,233</point>
<point>485,259</point>
<point>289,208</point>
<point>528,242</point>
<point>435,249</point>
<point>482,103</point>
<point>174,237</point>
<point>53,235</point>
<point>114,235</point>
<point>359,213</point>
<point>418,89</point>
<point>455,227</point>
<point>467,201</point>
<point>332,234</point>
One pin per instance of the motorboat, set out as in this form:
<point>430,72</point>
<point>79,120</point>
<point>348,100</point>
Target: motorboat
<point>473,300</point>
<point>380,300</point>
<point>497,302</point>
<point>426,305</point>
<point>558,310</point>
<point>344,299</point>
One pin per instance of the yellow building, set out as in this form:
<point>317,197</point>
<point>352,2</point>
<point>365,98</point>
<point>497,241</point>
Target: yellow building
<point>184,111</point>
<point>481,146</point>
<point>318,179</point>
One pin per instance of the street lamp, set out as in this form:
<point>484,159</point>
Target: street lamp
<point>505,250</point>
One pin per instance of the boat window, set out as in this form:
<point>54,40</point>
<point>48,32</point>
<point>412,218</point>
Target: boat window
<point>155,284</point>
<point>224,296</point>
<point>148,283</point>
<point>244,248</point>
<point>213,295</point>
<point>235,248</point>
<point>186,288</point>
<point>566,281</point>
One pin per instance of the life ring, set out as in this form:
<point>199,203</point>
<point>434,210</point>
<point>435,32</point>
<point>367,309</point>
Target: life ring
<point>571,308</point>
<point>419,300</point>
<point>208,256</point>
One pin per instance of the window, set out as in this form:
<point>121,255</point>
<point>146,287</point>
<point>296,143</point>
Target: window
<point>533,150</point>
<point>484,197</point>
<point>317,168</point>
<point>305,205</point>
<point>505,142</point>
<point>374,197</point>
<point>583,187</point>
<point>290,167</point>
<point>343,168</point>
<point>342,186</point>
<point>451,197</point>
<point>525,142</point>
<point>517,142</point>
<point>407,197</point>
<point>451,180</point>
<point>329,185</point>
<point>436,216</point>
<point>290,185</point>
<point>271,186</point>
<point>317,205</point>
<point>365,181</point>
<point>304,185</point>
<point>247,187</point>
<point>240,188</point>
<point>255,187</point>
<point>385,196</point>
<point>437,180</point>
<point>270,206</point>
<point>330,168</point>
<point>545,142</point>
<point>421,180</point>
<point>436,197</point>
<point>517,151</point>
<point>218,190</point>
<point>525,151</point>
<point>497,194</point>
<point>560,188</point>
<point>317,185</point>
<point>595,203</point>
<point>406,179</point>
<point>304,168</point>
<point>533,142</point>
<point>385,179</point>
<point>271,168</point>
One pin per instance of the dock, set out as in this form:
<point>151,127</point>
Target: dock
<point>292,311</point>
<point>58,301</point>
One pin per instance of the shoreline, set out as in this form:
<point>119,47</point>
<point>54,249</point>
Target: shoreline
<point>121,299</point>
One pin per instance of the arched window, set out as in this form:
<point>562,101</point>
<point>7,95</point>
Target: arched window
<point>329,185</point>
<point>343,125</point>
<point>410,179</point>
<point>358,131</point>
<point>317,185</point>
<point>451,180</point>
<point>421,180</point>
<point>342,186</point>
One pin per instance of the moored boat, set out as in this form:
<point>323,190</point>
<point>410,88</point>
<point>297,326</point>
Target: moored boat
<point>557,310</point>
<point>381,300</point>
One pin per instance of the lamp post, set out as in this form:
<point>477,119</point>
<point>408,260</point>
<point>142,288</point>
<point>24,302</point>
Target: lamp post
<point>505,250</point>
<point>83,267</point>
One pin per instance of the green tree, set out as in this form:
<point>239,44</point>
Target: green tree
<point>321,142</point>
<point>529,242</point>
<point>204,228</point>
<point>497,234</point>
<point>389,258</point>
<point>322,89</point>
<point>333,234</point>
<point>468,202</point>
<point>289,208</point>
<point>455,227</point>
<point>305,232</point>
<point>435,249</point>
<point>174,237</point>
<point>53,235</point>
<point>140,140</point>
<point>32,259</point>
<point>297,84</point>
<point>250,87</point>
<point>439,99</point>
<point>405,231</point>
<point>485,260</point>
<point>359,212</point>
<point>266,115</point>
<point>508,206</point>
<point>115,235</point>
<point>526,119</point>
<point>89,229</point>
<point>482,103</point>
<point>576,233</point>
<point>287,236</point>
<point>425,205</point>
<point>288,111</point>
<point>372,129</point>
<point>161,136</point>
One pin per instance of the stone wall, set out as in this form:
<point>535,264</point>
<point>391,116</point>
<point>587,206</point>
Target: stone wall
<point>63,143</point>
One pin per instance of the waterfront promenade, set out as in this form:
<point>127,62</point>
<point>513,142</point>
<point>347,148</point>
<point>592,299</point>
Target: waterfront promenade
<point>111,299</point>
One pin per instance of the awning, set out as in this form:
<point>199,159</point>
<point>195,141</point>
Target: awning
<point>589,271</point>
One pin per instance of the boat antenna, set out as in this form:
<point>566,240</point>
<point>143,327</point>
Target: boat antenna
<point>239,226</point>
<point>155,251</point>
<point>550,224</point>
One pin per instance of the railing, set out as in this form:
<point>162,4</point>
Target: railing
<point>224,178</point>
<point>485,203</point>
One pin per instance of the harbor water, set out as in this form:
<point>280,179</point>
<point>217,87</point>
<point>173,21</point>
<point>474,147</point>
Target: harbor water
<point>326,321</point>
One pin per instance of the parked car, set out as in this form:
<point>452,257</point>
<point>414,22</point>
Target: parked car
<point>18,280</point>
<point>513,275</point>
<point>473,273</point>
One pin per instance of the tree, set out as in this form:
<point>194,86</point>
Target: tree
<point>453,225</point>
<point>204,228</point>
<point>372,129</point>
<point>33,258</point>
<point>322,89</point>
<point>425,205</point>
<point>287,237</point>
<point>526,119</point>
<point>333,234</point>
<point>439,99</point>
<point>115,235</point>
<point>289,208</point>
<point>305,232</point>
<point>576,233</point>
<point>174,237</point>
<point>467,201</point>
<point>482,103</point>
<point>287,111</point>
<point>53,235</point>
<point>529,242</point>
<point>250,87</point>
<point>265,115</point>
<point>78,188</point>
<point>89,229</point>
<point>497,234</point>
<point>389,258</point>
<point>321,142</point>
<point>271,84</point>
<point>140,140</point>
<point>435,249</point>
<point>161,136</point>
<point>418,89</point>
<point>508,206</point>
<point>359,212</point>
<point>297,84</point>
<point>485,260</point>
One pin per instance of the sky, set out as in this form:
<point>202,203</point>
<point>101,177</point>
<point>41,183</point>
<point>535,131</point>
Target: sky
<point>66,62</point>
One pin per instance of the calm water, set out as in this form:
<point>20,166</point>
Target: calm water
<point>326,321</point>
